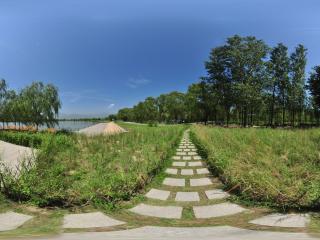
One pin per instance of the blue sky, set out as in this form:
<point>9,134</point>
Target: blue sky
<point>107,54</point>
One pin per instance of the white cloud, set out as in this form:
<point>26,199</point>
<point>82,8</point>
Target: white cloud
<point>137,82</point>
<point>111,105</point>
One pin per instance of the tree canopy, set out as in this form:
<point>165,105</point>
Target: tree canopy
<point>37,105</point>
<point>247,83</point>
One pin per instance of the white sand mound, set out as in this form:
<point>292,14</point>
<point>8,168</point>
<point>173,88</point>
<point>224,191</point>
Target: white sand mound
<point>113,128</point>
<point>103,129</point>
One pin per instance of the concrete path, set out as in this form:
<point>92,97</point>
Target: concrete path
<point>89,220</point>
<point>12,155</point>
<point>191,233</point>
<point>12,220</point>
<point>187,187</point>
<point>158,211</point>
<point>283,220</point>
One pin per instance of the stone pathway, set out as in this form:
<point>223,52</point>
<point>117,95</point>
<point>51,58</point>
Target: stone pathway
<point>12,155</point>
<point>185,233</point>
<point>188,181</point>
<point>12,220</point>
<point>188,186</point>
<point>283,220</point>
<point>89,220</point>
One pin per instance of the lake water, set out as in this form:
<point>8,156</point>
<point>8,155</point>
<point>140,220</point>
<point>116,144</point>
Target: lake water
<point>74,125</point>
<point>68,125</point>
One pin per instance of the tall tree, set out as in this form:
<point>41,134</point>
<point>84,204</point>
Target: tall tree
<point>280,69</point>
<point>3,91</point>
<point>298,63</point>
<point>219,80</point>
<point>314,88</point>
<point>42,104</point>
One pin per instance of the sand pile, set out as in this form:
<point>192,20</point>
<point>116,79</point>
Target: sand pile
<point>113,128</point>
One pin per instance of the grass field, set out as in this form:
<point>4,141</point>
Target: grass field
<point>73,170</point>
<point>278,168</point>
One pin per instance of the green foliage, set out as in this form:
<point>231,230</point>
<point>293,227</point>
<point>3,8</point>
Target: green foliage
<point>314,87</point>
<point>74,169</point>
<point>247,83</point>
<point>37,105</point>
<point>274,167</point>
<point>166,108</point>
<point>27,139</point>
<point>45,183</point>
<point>152,124</point>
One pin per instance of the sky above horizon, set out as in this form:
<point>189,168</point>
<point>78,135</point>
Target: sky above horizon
<point>104,55</point>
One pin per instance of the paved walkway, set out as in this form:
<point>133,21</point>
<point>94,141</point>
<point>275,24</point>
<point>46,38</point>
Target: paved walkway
<point>12,155</point>
<point>188,182</point>
<point>187,186</point>
<point>168,233</point>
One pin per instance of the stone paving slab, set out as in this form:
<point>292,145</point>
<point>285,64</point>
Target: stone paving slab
<point>181,153</point>
<point>172,171</point>
<point>158,194</point>
<point>89,220</point>
<point>12,220</point>
<point>202,171</point>
<point>158,211</point>
<point>195,164</point>
<point>182,233</point>
<point>186,171</point>
<point>283,220</point>
<point>187,197</point>
<point>197,182</point>
<point>176,158</point>
<point>179,164</point>
<point>217,210</point>
<point>13,155</point>
<point>186,158</point>
<point>216,194</point>
<point>197,158</point>
<point>176,182</point>
<point>192,153</point>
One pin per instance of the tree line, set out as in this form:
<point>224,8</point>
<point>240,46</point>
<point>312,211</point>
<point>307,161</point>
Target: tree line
<point>247,83</point>
<point>34,105</point>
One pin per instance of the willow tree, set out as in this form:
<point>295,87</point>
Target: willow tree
<point>41,104</point>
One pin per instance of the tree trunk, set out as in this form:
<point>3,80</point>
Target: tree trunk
<point>272,106</point>
<point>245,117</point>
<point>283,111</point>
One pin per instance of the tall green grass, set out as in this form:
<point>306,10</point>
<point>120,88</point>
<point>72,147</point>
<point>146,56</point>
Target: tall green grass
<point>279,168</point>
<point>75,170</point>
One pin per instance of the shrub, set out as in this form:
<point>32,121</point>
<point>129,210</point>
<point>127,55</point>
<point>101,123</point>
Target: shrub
<point>27,139</point>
